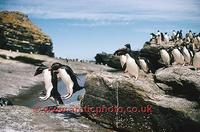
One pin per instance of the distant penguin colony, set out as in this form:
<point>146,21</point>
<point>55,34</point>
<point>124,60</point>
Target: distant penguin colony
<point>50,79</point>
<point>182,55</point>
<point>185,52</point>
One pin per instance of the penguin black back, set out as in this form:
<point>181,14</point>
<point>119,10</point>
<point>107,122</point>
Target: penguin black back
<point>73,76</point>
<point>162,36</point>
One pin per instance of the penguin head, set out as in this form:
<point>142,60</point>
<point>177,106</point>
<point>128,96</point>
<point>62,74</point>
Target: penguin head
<point>56,66</point>
<point>128,46</point>
<point>40,69</point>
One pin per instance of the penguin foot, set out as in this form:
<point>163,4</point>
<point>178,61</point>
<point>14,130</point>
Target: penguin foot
<point>66,96</point>
<point>127,76</point>
<point>42,98</point>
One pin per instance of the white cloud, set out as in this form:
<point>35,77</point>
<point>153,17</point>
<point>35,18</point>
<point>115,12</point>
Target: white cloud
<point>125,11</point>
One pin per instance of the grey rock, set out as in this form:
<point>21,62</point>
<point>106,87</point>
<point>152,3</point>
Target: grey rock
<point>183,81</point>
<point>163,112</point>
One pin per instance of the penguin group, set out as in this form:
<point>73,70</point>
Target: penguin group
<point>182,55</point>
<point>51,74</point>
<point>176,36</point>
<point>131,62</point>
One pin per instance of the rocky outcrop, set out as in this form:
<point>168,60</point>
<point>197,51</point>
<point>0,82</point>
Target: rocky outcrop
<point>142,104</point>
<point>109,59</point>
<point>17,32</point>
<point>181,81</point>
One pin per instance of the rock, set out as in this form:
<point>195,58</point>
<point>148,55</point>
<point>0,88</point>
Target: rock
<point>151,52</point>
<point>109,59</point>
<point>5,102</point>
<point>18,33</point>
<point>156,111</point>
<point>181,81</point>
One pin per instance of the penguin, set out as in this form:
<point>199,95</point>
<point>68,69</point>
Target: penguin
<point>131,67</point>
<point>166,38</point>
<point>180,34</point>
<point>50,80</point>
<point>128,46</point>
<point>68,77</point>
<point>173,35</point>
<point>198,38</point>
<point>178,57</point>
<point>187,55</point>
<point>123,51</point>
<point>152,37</point>
<point>196,60</point>
<point>123,61</point>
<point>158,39</point>
<point>165,57</point>
<point>144,64</point>
<point>162,36</point>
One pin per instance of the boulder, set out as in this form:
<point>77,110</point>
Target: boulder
<point>109,59</point>
<point>18,33</point>
<point>181,81</point>
<point>129,105</point>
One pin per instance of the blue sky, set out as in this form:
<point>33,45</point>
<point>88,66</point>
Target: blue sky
<point>82,28</point>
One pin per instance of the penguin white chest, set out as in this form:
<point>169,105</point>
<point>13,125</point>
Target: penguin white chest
<point>48,84</point>
<point>132,67</point>
<point>67,80</point>
<point>178,57</point>
<point>186,55</point>
<point>47,79</point>
<point>196,60</point>
<point>165,57</point>
<point>143,64</point>
<point>122,60</point>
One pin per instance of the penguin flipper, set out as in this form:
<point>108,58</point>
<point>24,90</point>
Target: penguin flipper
<point>68,82</point>
<point>124,67</point>
<point>48,94</point>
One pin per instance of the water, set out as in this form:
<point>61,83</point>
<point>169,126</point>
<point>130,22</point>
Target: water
<point>30,98</point>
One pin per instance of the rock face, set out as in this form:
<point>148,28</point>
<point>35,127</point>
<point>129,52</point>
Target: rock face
<point>153,109</point>
<point>109,59</point>
<point>180,81</point>
<point>17,32</point>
